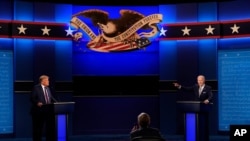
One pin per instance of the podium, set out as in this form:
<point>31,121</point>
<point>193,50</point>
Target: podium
<point>60,111</point>
<point>196,119</point>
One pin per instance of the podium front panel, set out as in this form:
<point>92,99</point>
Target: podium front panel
<point>60,110</point>
<point>64,107</point>
<point>193,106</point>
<point>196,119</point>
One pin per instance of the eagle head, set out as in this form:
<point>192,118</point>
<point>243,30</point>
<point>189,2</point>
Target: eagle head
<point>110,29</point>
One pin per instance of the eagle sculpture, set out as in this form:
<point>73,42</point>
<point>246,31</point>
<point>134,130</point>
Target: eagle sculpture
<point>113,27</point>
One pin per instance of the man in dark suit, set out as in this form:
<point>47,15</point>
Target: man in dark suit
<point>202,91</point>
<point>41,95</point>
<point>143,129</point>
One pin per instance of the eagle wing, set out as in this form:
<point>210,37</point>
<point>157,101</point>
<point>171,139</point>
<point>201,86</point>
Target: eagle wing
<point>130,17</point>
<point>96,16</point>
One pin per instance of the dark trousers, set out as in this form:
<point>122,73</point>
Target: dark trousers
<point>41,122</point>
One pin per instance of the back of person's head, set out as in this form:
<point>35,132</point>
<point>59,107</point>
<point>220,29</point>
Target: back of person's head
<point>143,120</point>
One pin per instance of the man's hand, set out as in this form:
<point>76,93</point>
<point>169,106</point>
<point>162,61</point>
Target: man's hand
<point>135,127</point>
<point>39,104</point>
<point>206,101</point>
<point>176,84</point>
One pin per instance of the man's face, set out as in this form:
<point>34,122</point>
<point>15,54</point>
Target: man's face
<point>200,80</point>
<point>45,82</point>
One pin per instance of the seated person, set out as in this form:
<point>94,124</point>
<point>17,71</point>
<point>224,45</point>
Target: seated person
<point>143,129</point>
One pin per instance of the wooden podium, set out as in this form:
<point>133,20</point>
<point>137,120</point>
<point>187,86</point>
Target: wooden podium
<point>196,119</point>
<point>60,110</point>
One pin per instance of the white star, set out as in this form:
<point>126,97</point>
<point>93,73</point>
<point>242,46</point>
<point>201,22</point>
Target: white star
<point>235,29</point>
<point>45,30</point>
<point>186,31</point>
<point>69,31</point>
<point>163,31</point>
<point>210,30</point>
<point>21,29</point>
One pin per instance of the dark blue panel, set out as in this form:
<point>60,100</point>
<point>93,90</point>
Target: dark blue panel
<point>44,59</point>
<point>186,12</point>
<point>22,116</point>
<point>234,43</point>
<point>44,12</point>
<point>168,110</point>
<point>100,115</point>
<point>187,61</point>
<point>6,12</point>
<point>234,10</point>
<point>207,58</point>
<point>6,44</point>
<point>24,58</point>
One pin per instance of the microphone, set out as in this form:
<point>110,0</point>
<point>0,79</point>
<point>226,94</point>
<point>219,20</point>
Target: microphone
<point>53,99</point>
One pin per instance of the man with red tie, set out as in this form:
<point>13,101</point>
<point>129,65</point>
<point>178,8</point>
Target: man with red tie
<point>40,96</point>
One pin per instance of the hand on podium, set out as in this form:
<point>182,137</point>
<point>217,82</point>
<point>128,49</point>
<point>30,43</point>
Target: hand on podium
<point>39,104</point>
<point>177,85</point>
<point>206,101</point>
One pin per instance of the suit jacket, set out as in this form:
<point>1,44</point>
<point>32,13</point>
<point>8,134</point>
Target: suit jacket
<point>205,94</point>
<point>151,132</point>
<point>37,95</point>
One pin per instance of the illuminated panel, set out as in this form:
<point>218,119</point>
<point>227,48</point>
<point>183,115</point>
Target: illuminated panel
<point>167,54</point>
<point>233,86</point>
<point>63,13</point>
<point>63,53</point>
<point>190,127</point>
<point>6,92</point>
<point>169,13</point>
<point>23,11</point>
<point>63,49</point>
<point>61,128</point>
<point>24,55</point>
<point>207,12</point>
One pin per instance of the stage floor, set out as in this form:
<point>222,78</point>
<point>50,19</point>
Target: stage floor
<point>117,138</point>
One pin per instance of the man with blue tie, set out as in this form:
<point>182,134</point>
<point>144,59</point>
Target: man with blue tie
<point>202,91</point>
<point>40,96</point>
